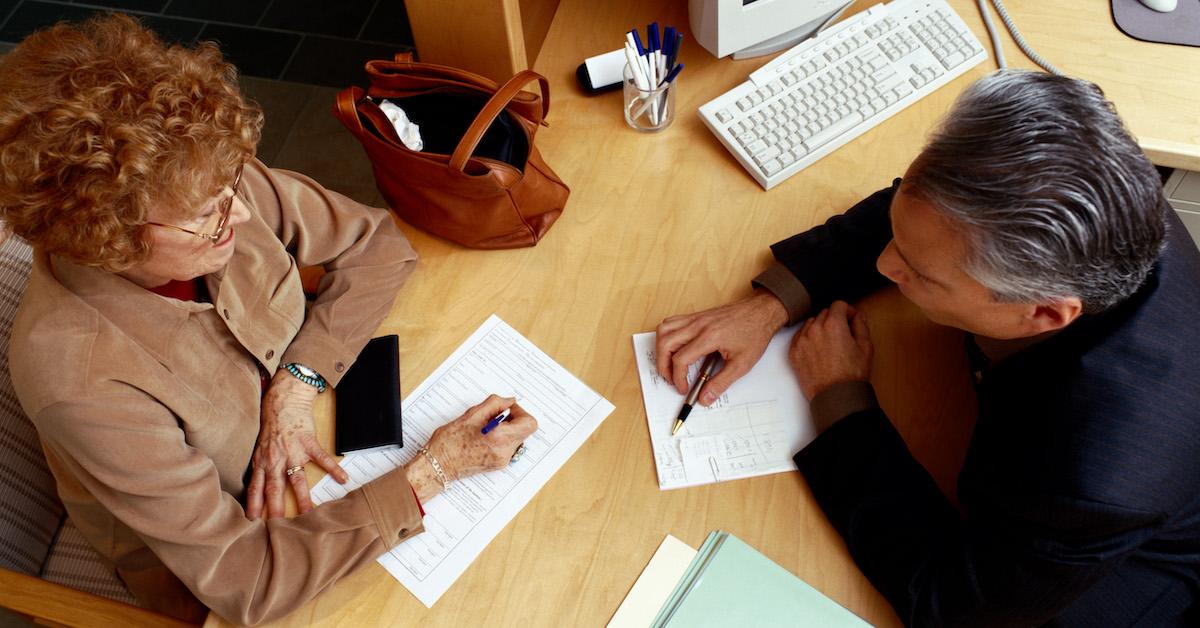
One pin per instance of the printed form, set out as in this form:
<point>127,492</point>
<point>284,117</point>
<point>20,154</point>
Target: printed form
<point>464,518</point>
<point>753,429</point>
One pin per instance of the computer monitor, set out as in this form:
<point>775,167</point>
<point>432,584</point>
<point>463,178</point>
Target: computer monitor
<point>749,28</point>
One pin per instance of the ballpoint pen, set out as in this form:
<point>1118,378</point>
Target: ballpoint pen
<point>496,420</point>
<point>706,369</point>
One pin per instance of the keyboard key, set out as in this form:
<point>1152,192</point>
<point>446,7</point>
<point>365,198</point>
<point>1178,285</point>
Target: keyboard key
<point>771,167</point>
<point>953,59</point>
<point>724,115</point>
<point>767,154</point>
<point>832,131</point>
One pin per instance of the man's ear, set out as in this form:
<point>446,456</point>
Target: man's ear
<point>1054,316</point>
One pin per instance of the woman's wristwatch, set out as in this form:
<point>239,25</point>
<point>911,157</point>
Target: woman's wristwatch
<point>307,375</point>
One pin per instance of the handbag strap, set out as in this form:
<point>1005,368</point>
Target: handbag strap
<point>352,106</point>
<point>346,111</point>
<point>492,108</point>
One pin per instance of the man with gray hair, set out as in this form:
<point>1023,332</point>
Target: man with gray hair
<point>1033,222</point>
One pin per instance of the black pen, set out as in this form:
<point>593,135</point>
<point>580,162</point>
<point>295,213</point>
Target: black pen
<point>706,369</point>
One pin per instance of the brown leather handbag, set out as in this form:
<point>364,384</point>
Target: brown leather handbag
<point>479,181</point>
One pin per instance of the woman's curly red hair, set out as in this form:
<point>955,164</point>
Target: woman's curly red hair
<point>101,121</point>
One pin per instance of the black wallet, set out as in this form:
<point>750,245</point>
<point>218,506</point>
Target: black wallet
<point>368,400</point>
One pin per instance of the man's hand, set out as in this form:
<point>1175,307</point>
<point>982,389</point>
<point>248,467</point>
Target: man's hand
<point>286,440</point>
<point>739,331</point>
<point>832,347</point>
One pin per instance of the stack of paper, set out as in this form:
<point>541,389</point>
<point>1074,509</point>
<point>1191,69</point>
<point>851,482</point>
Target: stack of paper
<point>726,583</point>
<point>753,429</point>
<point>461,521</point>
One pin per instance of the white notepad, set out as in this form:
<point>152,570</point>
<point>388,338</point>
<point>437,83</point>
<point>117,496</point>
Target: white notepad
<point>461,521</point>
<point>655,585</point>
<point>753,429</point>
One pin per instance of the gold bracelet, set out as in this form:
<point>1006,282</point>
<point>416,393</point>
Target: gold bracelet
<point>437,467</point>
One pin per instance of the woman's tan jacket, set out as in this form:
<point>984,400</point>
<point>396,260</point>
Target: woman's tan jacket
<point>148,407</point>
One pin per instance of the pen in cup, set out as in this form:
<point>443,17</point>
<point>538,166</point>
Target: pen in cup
<point>653,67</point>
<point>706,369</point>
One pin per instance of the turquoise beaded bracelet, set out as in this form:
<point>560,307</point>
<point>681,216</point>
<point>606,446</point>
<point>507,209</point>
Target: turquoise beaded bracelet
<point>315,380</point>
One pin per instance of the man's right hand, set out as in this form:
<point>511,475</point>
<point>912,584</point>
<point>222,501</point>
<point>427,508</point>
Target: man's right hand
<point>739,331</point>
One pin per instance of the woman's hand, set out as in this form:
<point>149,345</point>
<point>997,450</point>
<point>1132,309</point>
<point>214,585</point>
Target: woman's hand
<point>462,450</point>
<point>286,440</point>
<point>832,347</point>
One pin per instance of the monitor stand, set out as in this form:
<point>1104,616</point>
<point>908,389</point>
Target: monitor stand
<point>790,38</point>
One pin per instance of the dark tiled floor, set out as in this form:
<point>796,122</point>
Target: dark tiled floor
<point>253,51</point>
<point>31,16</point>
<point>343,18</point>
<point>389,23</point>
<point>338,62</point>
<point>301,134</point>
<point>149,6</point>
<point>236,11</point>
<point>309,41</point>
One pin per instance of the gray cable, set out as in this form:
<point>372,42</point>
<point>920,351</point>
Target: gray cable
<point>992,34</point>
<point>1016,35</point>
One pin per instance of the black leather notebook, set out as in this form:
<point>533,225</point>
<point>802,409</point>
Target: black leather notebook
<point>368,400</point>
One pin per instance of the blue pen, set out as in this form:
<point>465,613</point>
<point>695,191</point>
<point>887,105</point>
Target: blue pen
<point>675,48</point>
<point>652,35</point>
<point>496,420</point>
<point>674,72</point>
<point>637,41</point>
<point>668,42</point>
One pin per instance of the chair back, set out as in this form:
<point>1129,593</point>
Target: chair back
<point>30,511</point>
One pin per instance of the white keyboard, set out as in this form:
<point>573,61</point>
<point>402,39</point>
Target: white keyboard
<point>829,89</point>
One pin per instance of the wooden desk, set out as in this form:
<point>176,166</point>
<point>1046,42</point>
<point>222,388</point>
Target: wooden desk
<point>658,225</point>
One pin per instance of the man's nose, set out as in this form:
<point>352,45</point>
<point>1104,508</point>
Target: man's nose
<point>889,265</point>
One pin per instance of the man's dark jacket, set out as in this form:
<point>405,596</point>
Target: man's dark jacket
<point>1081,486</point>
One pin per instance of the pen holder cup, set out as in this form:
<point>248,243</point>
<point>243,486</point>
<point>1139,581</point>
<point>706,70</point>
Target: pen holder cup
<point>648,110</point>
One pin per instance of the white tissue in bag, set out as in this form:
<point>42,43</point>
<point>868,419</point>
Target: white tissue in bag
<point>410,134</point>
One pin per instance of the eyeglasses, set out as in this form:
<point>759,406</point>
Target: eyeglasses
<point>222,213</point>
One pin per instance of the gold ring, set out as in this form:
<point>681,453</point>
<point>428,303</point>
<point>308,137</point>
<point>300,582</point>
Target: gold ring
<point>296,469</point>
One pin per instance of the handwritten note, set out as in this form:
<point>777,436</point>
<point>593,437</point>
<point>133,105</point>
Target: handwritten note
<point>753,429</point>
<point>462,520</point>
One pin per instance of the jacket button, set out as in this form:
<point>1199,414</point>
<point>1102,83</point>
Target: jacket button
<point>226,312</point>
<point>403,532</point>
<point>339,367</point>
<point>270,353</point>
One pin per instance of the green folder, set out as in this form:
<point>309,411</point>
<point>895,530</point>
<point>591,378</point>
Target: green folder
<point>730,584</point>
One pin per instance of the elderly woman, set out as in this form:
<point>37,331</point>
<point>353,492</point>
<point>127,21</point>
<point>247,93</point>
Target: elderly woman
<point>163,348</point>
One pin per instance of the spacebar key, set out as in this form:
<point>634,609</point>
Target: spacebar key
<point>824,136</point>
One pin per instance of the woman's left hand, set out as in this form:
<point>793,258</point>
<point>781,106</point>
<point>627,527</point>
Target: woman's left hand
<point>286,440</point>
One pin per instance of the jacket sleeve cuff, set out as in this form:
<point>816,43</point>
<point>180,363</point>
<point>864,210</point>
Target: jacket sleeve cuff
<point>780,281</point>
<point>840,401</point>
<point>329,358</point>
<point>394,507</point>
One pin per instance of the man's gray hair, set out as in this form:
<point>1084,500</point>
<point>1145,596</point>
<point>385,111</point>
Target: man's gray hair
<point>1054,196</point>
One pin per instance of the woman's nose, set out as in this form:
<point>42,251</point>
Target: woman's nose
<point>239,212</point>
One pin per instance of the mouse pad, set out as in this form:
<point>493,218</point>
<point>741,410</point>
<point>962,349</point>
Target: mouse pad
<point>1181,26</point>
